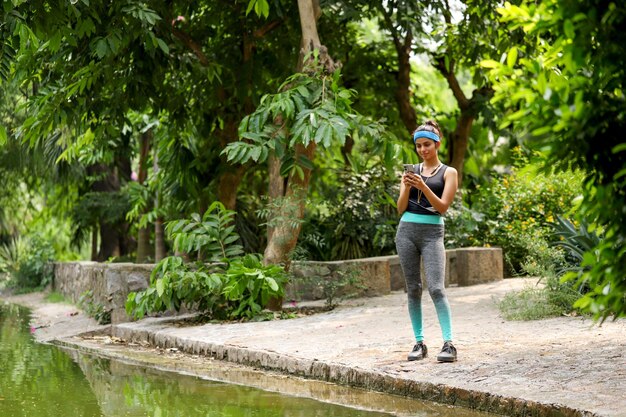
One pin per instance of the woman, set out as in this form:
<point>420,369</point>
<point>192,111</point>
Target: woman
<point>424,198</point>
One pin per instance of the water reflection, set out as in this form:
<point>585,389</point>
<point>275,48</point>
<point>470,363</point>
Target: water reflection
<point>42,380</point>
<point>135,391</point>
<point>38,380</point>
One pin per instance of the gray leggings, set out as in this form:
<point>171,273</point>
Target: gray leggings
<point>415,242</point>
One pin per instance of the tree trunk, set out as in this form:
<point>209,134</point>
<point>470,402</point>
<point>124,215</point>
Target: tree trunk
<point>227,186</point>
<point>470,108</point>
<point>144,250</point>
<point>159,233</point>
<point>109,241</point>
<point>159,240</point>
<point>122,172</point>
<point>276,192</point>
<point>94,243</point>
<point>402,94</point>
<point>283,237</point>
<point>285,234</point>
<point>229,177</point>
<point>346,150</point>
<point>109,236</point>
<point>458,143</point>
<point>309,13</point>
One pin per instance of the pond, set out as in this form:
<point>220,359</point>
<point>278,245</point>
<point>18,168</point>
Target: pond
<point>44,380</point>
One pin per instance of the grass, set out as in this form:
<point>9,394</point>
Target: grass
<point>55,297</point>
<point>530,304</point>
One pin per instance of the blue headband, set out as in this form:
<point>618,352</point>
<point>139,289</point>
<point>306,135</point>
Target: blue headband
<point>425,134</point>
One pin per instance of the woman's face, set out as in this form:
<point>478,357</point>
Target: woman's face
<point>426,148</point>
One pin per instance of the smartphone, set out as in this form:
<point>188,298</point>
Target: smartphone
<point>411,168</point>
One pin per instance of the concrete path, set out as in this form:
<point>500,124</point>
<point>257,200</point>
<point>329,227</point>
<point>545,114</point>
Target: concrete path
<point>561,366</point>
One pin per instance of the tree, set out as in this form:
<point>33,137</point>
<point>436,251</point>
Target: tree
<point>405,25</point>
<point>463,45</point>
<point>310,109</point>
<point>143,237</point>
<point>82,80</point>
<point>428,29</point>
<point>282,238</point>
<point>170,62</point>
<point>564,91</point>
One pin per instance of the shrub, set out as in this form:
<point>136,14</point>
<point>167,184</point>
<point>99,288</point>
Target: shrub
<point>552,299</point>
<point>575,241</point>
<point>240,290</point>
<point>557,259</point>
<point>527,304</point>
<point>333,286</point>
<point>357,220</point>
<point>28,263</point>
<point>94,309</point>
<point>231,287</point>
<point>516,212</point>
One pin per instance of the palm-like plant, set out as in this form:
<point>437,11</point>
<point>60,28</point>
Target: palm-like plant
<point>575,241</point>
<point>10,255</point>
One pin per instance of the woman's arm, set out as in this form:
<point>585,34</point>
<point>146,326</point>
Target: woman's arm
<point>403,198</point>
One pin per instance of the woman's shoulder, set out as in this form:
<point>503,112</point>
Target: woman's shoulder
<point>448,170</point>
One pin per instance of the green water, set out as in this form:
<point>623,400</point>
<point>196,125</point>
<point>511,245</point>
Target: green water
<point>38,380</point>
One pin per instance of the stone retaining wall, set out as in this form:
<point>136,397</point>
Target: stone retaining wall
<point>464,266</point>
<point>110,283</point>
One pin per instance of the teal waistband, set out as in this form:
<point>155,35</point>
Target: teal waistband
<point>421,218</point>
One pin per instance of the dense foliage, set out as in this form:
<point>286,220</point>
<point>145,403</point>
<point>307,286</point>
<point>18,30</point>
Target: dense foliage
<point>516,211</point>
<point>223,284</point>
<point>356,220</point>
<point>119,117</point>
<point>28,263</point>
<point>563,89</point>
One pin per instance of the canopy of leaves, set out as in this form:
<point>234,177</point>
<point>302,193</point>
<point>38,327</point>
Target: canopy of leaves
<point>565,88</point>
<point>308,109</point>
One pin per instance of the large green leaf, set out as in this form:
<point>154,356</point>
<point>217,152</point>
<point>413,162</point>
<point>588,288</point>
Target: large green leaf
<point>3,136</point>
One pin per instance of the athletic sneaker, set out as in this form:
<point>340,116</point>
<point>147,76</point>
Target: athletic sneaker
<point>448,353</point>
<point>420,351</point>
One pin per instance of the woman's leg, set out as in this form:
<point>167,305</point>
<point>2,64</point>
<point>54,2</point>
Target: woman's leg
<point>434,256</point>
<point>409,255</point>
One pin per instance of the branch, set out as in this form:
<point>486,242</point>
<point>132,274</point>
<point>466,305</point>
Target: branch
<point>392,29</point>
<point>448,74</point>
<point>447,14</point>
<point>484,91</point>
<point>191,44</point>
<point>259,33</point>
<point>408,40</point>
<point>317,9</point>
<point>479,97</point>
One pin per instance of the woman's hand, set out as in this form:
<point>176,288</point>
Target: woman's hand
<point>412,180</point>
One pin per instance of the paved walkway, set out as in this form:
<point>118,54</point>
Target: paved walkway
<point>560,366</point>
